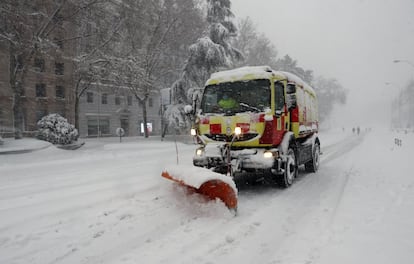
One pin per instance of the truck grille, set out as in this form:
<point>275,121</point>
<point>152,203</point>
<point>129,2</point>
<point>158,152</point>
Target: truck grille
<point>227,138</point>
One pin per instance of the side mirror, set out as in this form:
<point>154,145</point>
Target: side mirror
<point>188,109</point>
<point>291,96</point>
<point>291,101</point>
<point>291,88</point>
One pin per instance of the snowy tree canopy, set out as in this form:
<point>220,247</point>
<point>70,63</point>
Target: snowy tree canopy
<point>207,55</point>
<point>289,64</point>
<point>330,92</point>
<point>257,49</point>
<point>403,105</point>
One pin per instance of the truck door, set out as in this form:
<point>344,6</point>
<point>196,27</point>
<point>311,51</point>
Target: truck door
<point>280,112</point>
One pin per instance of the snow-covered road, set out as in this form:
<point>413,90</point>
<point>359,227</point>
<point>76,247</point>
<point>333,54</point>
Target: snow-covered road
<point>106,203</point>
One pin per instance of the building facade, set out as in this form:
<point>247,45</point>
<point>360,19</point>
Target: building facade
<point>6,95</point>
<point>104,108</point>
<point>50,82</point>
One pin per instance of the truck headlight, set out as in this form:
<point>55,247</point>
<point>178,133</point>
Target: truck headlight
<point>193,132</point>
<point>237,131</point>
<point>270,154</point>
<point>200,152</point>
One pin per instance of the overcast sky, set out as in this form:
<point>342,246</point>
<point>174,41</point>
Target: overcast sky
<point>354,41</point>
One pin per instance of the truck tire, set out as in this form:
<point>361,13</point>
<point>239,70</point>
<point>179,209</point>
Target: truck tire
<point>291,170</point>
<point>313,165</point>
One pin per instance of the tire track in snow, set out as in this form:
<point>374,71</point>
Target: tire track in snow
<point>70,167</point>
<point>294,211</point>
<point>297,218</point>
<point>121,210</point>
<point>144,242</point>
<point>336,150</point>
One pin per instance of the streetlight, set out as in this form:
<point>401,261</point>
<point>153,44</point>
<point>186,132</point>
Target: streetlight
<point>406,61</point>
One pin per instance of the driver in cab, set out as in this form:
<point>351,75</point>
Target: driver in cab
<point>227,102</point>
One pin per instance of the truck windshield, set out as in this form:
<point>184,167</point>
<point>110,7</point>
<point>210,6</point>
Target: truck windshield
<point>236,97</point>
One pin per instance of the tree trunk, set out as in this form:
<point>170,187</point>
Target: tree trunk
<point>17,113</point>
<point>144,114</point>
<point>17,73</point>
<point>77,112</point>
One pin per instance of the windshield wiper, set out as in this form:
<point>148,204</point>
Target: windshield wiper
<point>250,107</point>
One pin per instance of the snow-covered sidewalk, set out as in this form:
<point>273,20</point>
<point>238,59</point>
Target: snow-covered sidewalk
<point>12,146</point>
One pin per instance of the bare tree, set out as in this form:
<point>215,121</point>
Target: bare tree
<point>209,53</point>
<point>93,61</point>
<point>256,47</point>
<point>330,92</point>
<point>146,59</point>
<point>28,28</point>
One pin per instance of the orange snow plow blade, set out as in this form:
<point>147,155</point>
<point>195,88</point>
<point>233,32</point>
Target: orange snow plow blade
<point>210,186</point>
<point>218,189</point>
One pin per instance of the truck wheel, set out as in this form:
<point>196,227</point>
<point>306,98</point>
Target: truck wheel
<point>291,170</point>
<point>313,165</point>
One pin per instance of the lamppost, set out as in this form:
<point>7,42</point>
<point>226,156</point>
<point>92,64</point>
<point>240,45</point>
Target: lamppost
<point>99,109</point>
<point>406,61</point>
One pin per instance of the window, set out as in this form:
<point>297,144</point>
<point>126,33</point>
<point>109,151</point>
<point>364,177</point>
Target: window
<point>60,91</point>
<point>59,68</point>
<point>88,47</point>
<point>92,127</point>
<point>104,126</point>
<point>89,97</point>
<point>39,64</point>
<point>88,28</point>
<point>98,126</point>
<point>40,90</point>
<point>279,96</point>
<point>1,117</point>
<point>150,102</point>
<point>251,96</point>
<point>125,125</point>
<point>59,43</point>
<point>61,112</point>
<point>117,100</point>
<point>58,19</point>
<point>19,62</point>
<point>40,114</point>
<point>104,98</point>
<point>129,99</point>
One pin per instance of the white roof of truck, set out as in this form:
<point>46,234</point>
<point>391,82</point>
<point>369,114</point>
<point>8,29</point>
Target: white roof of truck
<point>255,72</point>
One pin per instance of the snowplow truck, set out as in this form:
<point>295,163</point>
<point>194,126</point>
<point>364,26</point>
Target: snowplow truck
<point>255,123</point>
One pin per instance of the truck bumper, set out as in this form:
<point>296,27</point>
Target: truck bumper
<point>241,160</point>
